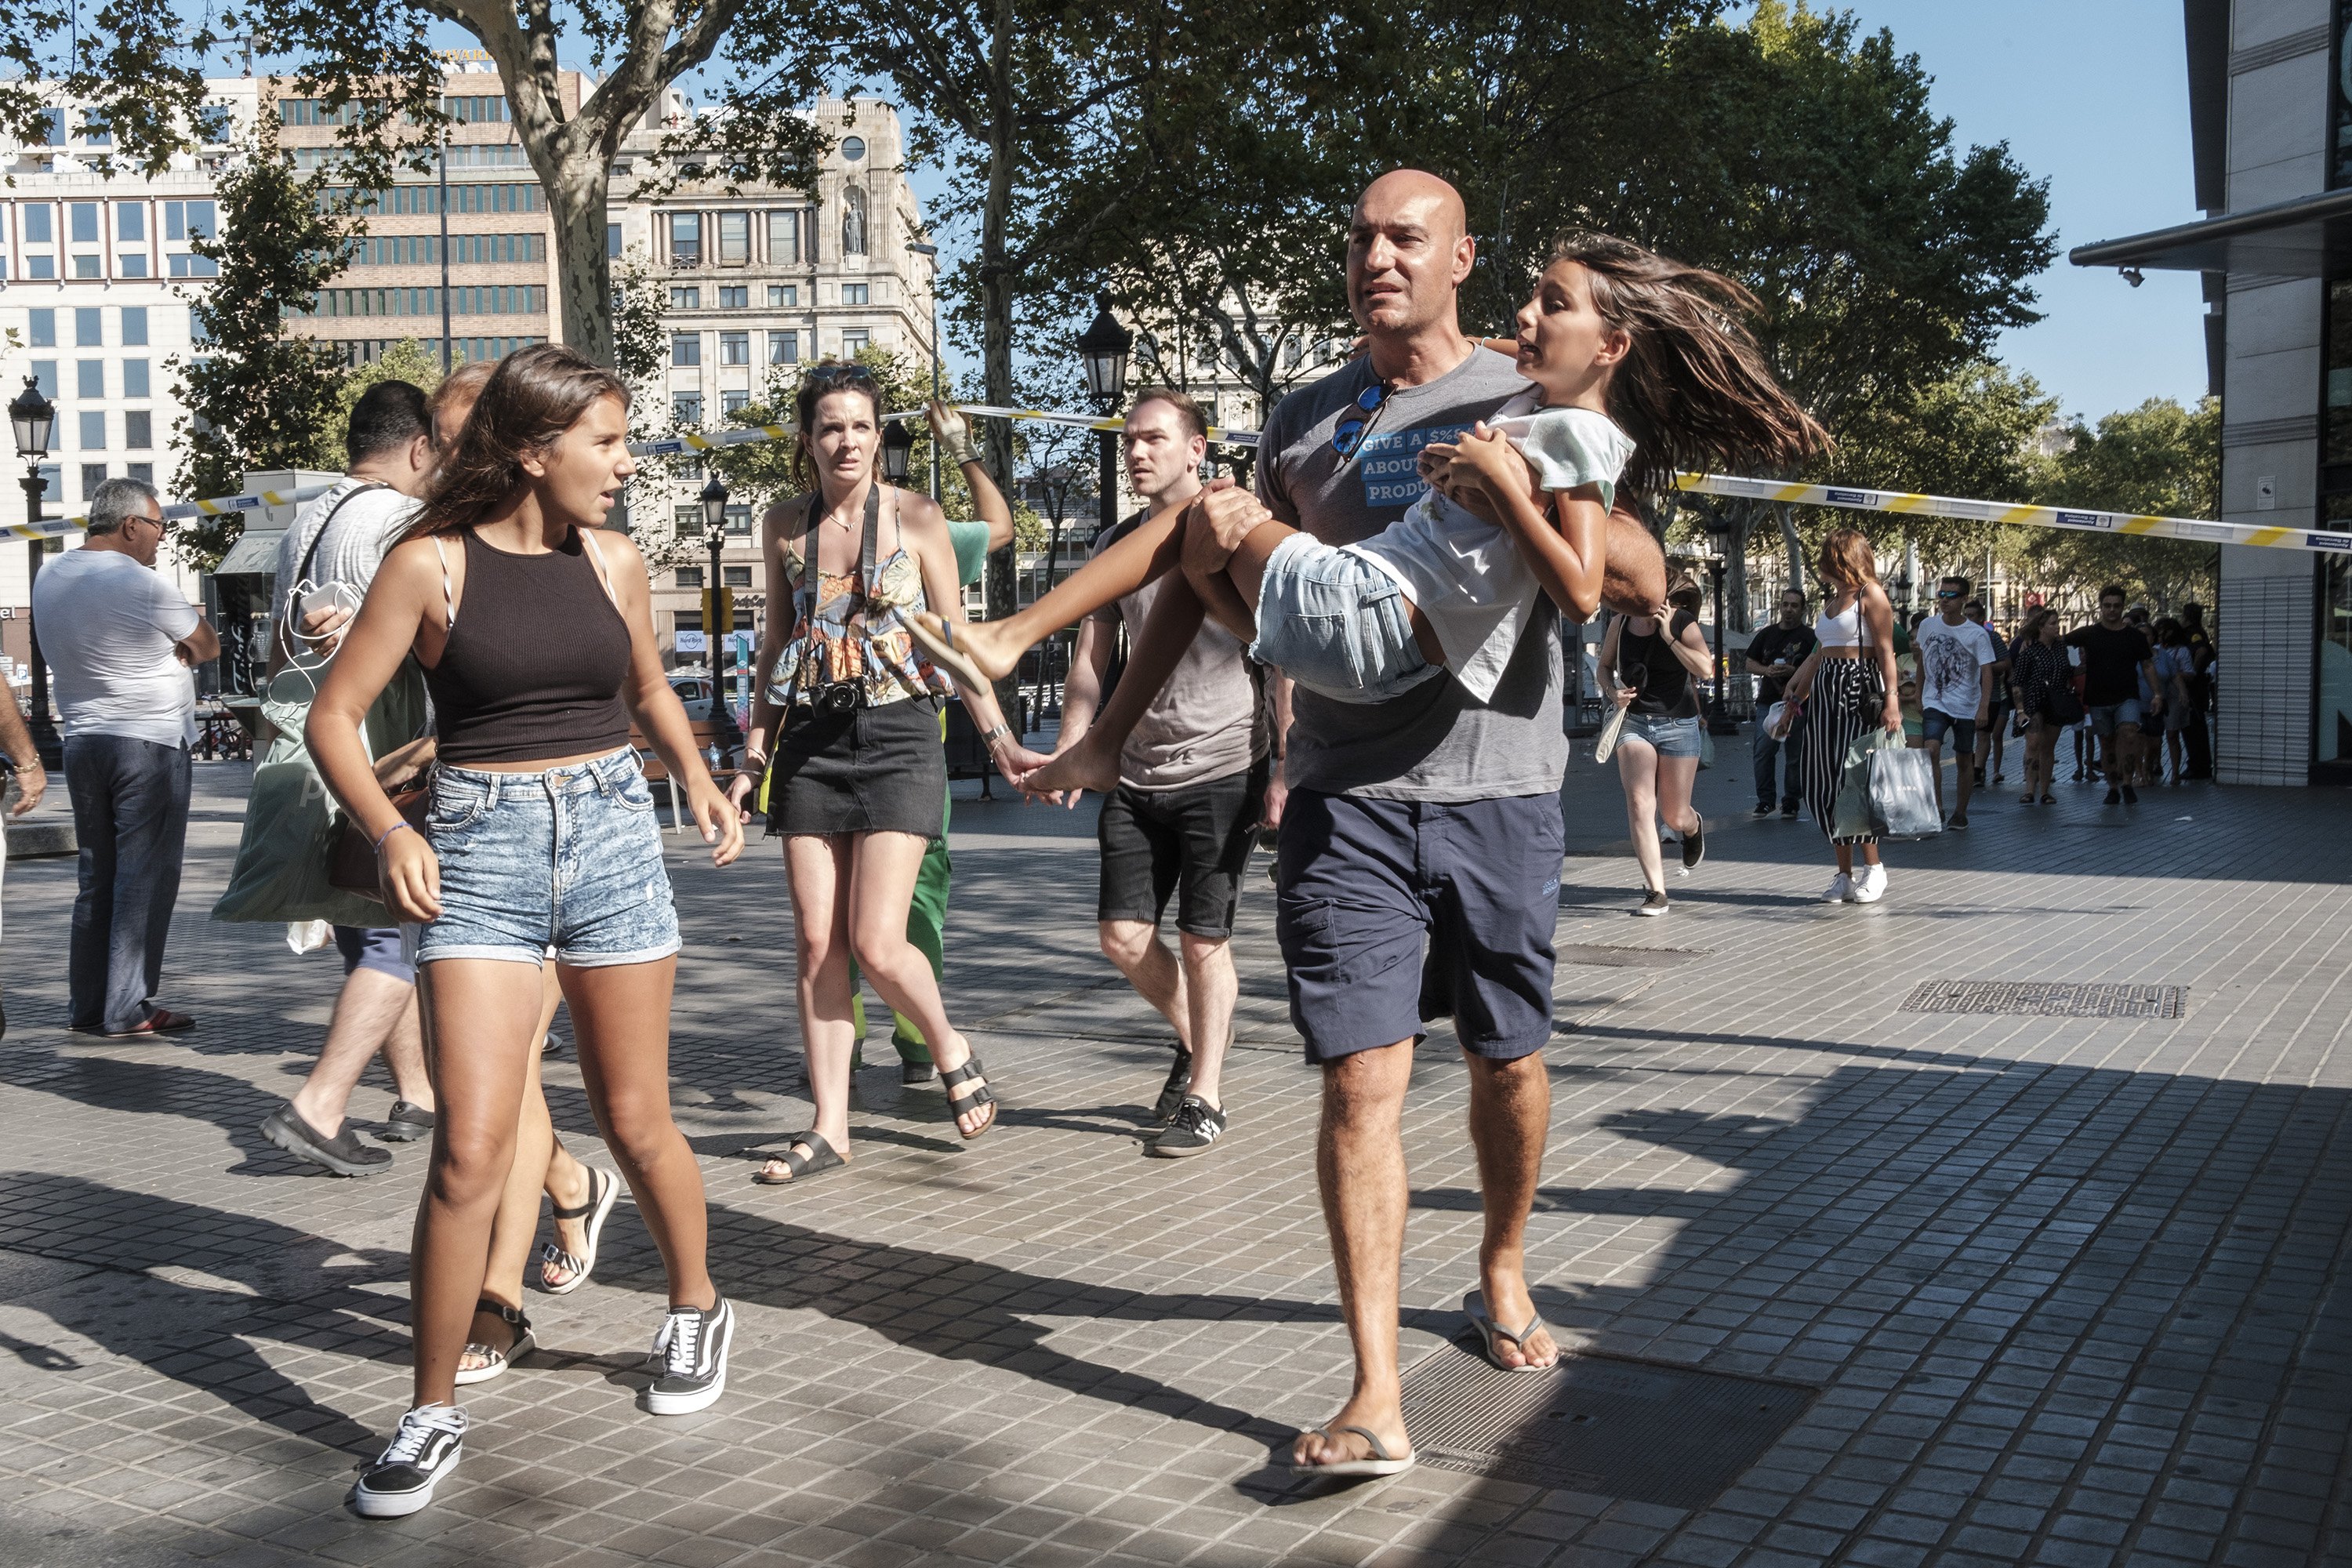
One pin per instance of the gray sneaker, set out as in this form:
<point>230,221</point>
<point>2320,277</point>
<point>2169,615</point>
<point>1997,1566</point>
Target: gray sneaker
<point>1197,1124</point>
<point>690,1360</point>
<point>343,1154</point>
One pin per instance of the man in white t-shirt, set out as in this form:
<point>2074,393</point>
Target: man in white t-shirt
<point>121,643</point>
<point>1955,669</point>
<point>330,556</point>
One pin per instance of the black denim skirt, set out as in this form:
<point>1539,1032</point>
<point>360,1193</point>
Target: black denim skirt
<point>869,769</point>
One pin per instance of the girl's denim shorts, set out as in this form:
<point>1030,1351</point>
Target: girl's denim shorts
<point>1670,737</point>
<point>568,860</point>
<point>1336,624</point>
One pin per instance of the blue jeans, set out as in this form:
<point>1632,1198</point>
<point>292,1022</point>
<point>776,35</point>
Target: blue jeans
<point>1792,752</point>
<point>131,813</point>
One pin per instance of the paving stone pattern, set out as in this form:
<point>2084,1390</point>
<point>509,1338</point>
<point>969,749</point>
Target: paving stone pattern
<point>2071,1290</point>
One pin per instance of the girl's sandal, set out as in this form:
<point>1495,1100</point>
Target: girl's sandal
<point>963,1105</point>
<point>807,1155</point>
<point>494,1359</point>
<point>603,1191</point>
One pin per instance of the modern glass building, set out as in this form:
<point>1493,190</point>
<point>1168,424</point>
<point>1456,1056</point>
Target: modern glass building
<point>2270,90</point>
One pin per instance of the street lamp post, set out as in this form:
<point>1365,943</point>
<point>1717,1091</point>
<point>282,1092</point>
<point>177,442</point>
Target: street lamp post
<point>933,252</point>
<point>898,451</point>
<point>714,523</point>
<point>1104,346</point>
<point>31,418</point>
<point>1721,526</point>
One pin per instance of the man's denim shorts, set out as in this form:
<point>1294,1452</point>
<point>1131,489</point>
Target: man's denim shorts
<point>1391,913</point>
<point>1336,624</point>
<point>569,859</point>
<point>1935,724</point>
<point>2105,717</point>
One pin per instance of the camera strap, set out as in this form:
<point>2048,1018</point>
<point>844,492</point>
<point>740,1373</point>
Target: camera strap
<point>811,572</point>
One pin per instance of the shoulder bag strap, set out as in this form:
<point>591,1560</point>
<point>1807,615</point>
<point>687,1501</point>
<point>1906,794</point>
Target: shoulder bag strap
<point>311,555</point>
<point>806,597</point>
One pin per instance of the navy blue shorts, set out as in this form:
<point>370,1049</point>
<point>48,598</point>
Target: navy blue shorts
<point>1392,912</point>
<point>377,948</point>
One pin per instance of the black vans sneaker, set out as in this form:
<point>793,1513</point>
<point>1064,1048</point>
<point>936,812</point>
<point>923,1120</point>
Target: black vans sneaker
<point>1197,1124</point>
<point>690,1360</point>
<point>1172,1093</point>
<point>424,1451</point>
<point>1694,843</point>
<point>343,1154</point>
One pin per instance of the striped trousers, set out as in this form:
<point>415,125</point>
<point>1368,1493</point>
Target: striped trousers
<point>1848,698</point>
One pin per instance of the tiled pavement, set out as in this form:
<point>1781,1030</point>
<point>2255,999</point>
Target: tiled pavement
<point>2073,1291</point>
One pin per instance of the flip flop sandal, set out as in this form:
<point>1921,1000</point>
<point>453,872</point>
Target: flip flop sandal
<point>496,1361</point>
<point>936,637</point>
<point>953,1078</point>
<point>1474,1306</point>
<point>603,1191</point>
<point>162,1021</point>
<point>1382,1463</point>
<point>808,1155</point>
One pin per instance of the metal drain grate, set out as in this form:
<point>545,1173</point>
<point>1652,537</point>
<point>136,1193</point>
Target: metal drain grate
<point>1600,956</point>
<point>1630,1429</point>
<point>2046,999</point>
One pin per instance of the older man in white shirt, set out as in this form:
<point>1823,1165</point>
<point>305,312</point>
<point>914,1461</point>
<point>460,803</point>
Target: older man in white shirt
<point>121,642</point>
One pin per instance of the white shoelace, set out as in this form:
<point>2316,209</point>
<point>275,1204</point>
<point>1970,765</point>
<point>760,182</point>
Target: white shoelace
<point>418,1430</point>
<point>679,1340</point>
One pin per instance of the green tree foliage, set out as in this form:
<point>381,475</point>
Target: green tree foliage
<point>407,360</point>
<point>258,396</point>
<point>2159,459</point>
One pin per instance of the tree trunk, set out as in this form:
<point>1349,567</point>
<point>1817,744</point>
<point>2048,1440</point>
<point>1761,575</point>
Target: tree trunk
<point>583,276</point>
<point>996,314</point>
<point>1796,548</point>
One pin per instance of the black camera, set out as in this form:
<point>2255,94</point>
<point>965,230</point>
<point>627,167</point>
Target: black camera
<point>837,697</point>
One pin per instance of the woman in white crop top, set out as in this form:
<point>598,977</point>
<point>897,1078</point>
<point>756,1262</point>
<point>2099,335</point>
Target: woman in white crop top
<point>1845,685</point>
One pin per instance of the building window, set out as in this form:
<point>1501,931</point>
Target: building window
<point>685,621</point>
<point>685,407</point>
<point>736,576</point>
<point>783,348</point>
<point>853,222</point>
<point>38,228</point>
<point>737,518</point>
<point>93,430</point>
<point>733,402</point>
<point>44,372</point>
<point>784,295</point>
<point>56,134</point>
<point>92,475</point>
<point>130,264</point>
<point>184,219</point>
<point>89,330</point>
<point>690,577</point>
<point>41,268</point>
<point>613,240</point>
<point>143,472</point>
<point>686,522</point>
<point>139,429</point>
<point>195,267</point>
<point>735,297</point>
<point>685,348</point>
<point>734,348</point>
<point>135,326</point>
<point>854,341</point>
<point>853,147</point>
<point>134,377</point>
<point>853,293</point>
<point>685,299</point>
<point>86,266</point>
<point>131,222</point>
<point>734,240</point>
<point>90,379</point>
<point>81,218</point>
<point>685,239</point>
<point>783,239</point>
<point>41,328</point>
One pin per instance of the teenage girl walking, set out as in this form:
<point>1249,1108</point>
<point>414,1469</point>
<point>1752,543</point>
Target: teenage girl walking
<point>1652,664</point>
<point>535,632</point>
<point>1640,366</point>
<point>848,720</point>
<point>1849,685</point>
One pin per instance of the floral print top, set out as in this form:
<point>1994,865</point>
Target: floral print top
<point>871,648</point>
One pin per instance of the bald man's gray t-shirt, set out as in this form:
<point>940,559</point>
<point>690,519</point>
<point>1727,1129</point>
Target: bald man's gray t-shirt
<point>1436,742</point>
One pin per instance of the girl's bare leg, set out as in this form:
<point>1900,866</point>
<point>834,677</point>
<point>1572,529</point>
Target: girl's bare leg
<point>1637,770</point>
<point>818,870</point>
<point>482,1043</point>
<point>881,885</point>
<point>621,1017</point>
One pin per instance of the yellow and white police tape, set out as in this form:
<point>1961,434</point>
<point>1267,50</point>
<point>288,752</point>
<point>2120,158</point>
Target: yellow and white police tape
<point>1842,497</point>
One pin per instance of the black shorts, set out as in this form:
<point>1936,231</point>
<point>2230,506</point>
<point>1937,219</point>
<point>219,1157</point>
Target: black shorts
<point>1392,912</point>
<point>1196,838</point>
<point>869,769</point>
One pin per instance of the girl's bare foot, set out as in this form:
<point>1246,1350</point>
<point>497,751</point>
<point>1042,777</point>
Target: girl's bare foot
<point>976,653</point>
<point>1092,763</point>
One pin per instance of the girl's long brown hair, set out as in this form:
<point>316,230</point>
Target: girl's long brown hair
<point>531,400</point>
<point>1694,392</point>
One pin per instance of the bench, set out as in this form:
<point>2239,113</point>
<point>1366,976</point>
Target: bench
<point>706,731</point>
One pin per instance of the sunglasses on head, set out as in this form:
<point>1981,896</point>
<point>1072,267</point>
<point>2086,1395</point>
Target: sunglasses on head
<point>1348,438</point>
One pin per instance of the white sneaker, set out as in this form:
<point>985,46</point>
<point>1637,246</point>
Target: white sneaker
<point>1871,886</point>
<point>425,1449</point>
<point>1840,890</point>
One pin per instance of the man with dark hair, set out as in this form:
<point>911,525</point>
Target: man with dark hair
<point>2200,684</point>
<point>1989,734</point>
<point>1192,791</point>
<point>1956,659</point>
<point>1773,655</point>
<point>325,562</point>
<point>2116,657</point>
<point>124,643</point>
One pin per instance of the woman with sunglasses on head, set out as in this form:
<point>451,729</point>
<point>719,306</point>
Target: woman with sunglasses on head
<point>535,631</point>
<point>1848,685</point>
<point>1652,665</point>
<point>846,731</point>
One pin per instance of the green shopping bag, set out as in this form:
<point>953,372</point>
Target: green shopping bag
<point>1849,817</point>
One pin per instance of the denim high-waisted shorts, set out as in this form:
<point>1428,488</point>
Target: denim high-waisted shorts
<point>569,859</point>
<point>1671,737</point>
<point>1336,624</point>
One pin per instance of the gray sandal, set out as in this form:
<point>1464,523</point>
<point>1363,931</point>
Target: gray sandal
<point>1382,1463</point>
<point>972,1099</point>
<point>1474,1306</point>
<point>805,1156</point>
